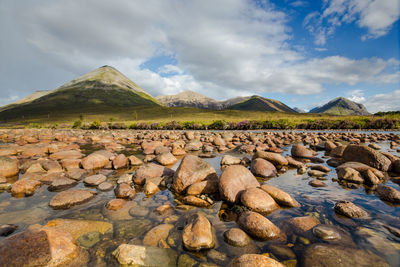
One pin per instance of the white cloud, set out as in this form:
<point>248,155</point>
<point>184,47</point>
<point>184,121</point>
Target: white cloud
<point>383,102</point>
<point>356,96</point>
<point>223,48</point>
<point>376,16</point>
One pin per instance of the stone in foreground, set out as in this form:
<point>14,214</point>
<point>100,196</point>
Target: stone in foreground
<point>71,197</point>
<point>198,234</point>
<point>258,226</point>
<point>250,260</point>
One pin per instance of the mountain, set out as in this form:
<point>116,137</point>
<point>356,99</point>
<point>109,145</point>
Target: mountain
<point>189,99</point>
<point>262,104</point>
<point>27,99</point>
<point>299,110</point>
<point>193,99</point>
<point>341,106</point>
<point>103,88</point>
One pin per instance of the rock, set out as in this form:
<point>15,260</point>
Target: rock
<point>258,226</point>
<point>35,168</point>
<point>337,152</point>
<point>367,156</point>
<point>230,160</point>
<point>282,252</point>
<point>51,166</point>
<point>203,187</point>
<point>124,191</point>
<point>149,147</point>
<point>332,256</point>
<point>303,224</point>
<point>105,186</point>
<point>294,163</point>
<point>329,145</point>
<point>374,146</point>
<point>150,188</point>
<point>370,178</point>
<point>76,174</point>
<point>78,228</point>
<point>89,240</point>
<point>164,210</point>
<point>61,184</point>
<point>281,197</point>
<point>350,175</point>
<point>250,260</point>
<point>235,179</point>
<point>70,164</point>
<point>388,193</point>
<point>144,256</point>
<point>262,168</point>
<point>71,197</point>
<point>301,170</point>
<point>274,158</point>
<point>197,234</point>
<point>125,178</point>
<point>115,204</point>
<point>258,200</point>
<point>138,211</point>
<point>321,168</point>
<point>300,151</point>
<point>150,171</point>
<point>192,170</point>
<point>393,230</point>
<point>349,209</point>
<point>41,248</point>
<point>156,234</point>
<point>134,161</point>
<point>8,166</point>
<point>120,161</point>
<point>95,180</point>
<point>166,158</point>
<point>94,161</point>
<point>217,256</point>
<point>25,187</point>
<point>315,173</point>
<point>236,237</point>
<point>317,183</point>
<point>195,201</point>
<point>7,229</point>
<point>66,154</point>
<point>186,261</point>
<point>326,232</point>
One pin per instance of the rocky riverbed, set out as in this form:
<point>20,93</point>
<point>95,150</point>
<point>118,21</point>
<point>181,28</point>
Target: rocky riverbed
<point>187,198</point>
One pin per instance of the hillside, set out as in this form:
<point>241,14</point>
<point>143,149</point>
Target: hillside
<point>341,106</point>
<point>262,104</point>
<point>189,99</point>
<point>102,89</point>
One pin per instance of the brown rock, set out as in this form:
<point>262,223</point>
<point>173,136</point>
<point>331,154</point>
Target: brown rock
<point>250,260</point>
<point>349,175</point>
<point>192,170</point>
<point>71,197</point>
<point>198,234</point>
<point>120,161</point>
<point>166,158</point>
<point>157,234</point>
<point>235,179</point>
<point>195,201</point>
<point>95,180</point>
<point>281,197</point>
<point>303,224</point>
<point>236,237</point>
<point>70,164</point>
<point>274,158</point>
<point>258,226</point>
<point>366,155</point>
<point>150,188</point>
<point>134,161</point>
<point>150,171</point>
<point>300,151</point>
<point>94,161</point>
<point>262,168</point>
<point>203,187</point>
<point>115,204</point>
<point>124,191</point>
<point>25,187</point>
<point>258,200</point>
<point>230,160</point>
<point>61,183</point>
<point>8,166</point>
<point>349,209</point>
<point>317,183</point>
<point>388,193</point>
<point>66,154</point>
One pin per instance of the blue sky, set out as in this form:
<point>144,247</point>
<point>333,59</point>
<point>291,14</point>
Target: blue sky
<point>303,53</point>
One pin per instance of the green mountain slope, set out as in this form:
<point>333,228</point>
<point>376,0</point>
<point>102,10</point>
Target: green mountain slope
<point>262,104</point>
<point>341,106</point>
<point>103,88</point>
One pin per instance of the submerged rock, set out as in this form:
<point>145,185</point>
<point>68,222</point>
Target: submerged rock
<point>157,234</point>
<point>250,260</point>
<point>144,256</point>
<point>303,224</point>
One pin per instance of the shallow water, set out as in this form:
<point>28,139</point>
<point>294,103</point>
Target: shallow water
<point>368,234</point>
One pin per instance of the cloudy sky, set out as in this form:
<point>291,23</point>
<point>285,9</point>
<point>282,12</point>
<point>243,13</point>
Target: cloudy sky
<point>303,53</point>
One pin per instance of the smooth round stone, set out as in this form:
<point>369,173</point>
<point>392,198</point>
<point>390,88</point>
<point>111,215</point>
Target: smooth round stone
<point>236,237</point>
<point>95,179</point>
<point>138,211</point>
<point>326,232</point>
<point>105,186</point>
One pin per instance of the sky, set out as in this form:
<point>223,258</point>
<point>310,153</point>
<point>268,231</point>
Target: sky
<point>303,53</point>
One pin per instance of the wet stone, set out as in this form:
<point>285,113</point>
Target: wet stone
<point>349,209</point>
<point>105,186</point>
<point>236,237</point>
<point>89,240</point>
<point>326,232</point>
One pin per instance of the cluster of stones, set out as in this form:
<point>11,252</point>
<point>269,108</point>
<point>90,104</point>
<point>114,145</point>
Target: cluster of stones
<point>54,158</point>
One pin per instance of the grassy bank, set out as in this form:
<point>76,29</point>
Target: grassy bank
<point>192,118</point>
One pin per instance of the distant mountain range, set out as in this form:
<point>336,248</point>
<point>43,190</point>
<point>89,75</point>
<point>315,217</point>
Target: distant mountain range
<point>106,89</point>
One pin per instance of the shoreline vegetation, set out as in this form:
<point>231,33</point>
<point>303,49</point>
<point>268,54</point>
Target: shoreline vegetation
<point>197,119</point>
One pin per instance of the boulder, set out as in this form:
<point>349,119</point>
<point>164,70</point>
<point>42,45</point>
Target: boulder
<point>203,187</point>
<point>275,158</point>
<point>234,180</point>
<point>120,161</point>
<point>150,171</point>
<point>366,155</point>
<point>8,166</point>
<point>258,226</point>
<point>230,160</point>
<point>388,194</point>
<point>281,197</point>
<point>71,197</point>
<point>134,161</point>
<point>262,168</point>
<point>250,260</point>
<point>197,234</point>
<point>94,161</point>
<point>324,255</point>
<point>300,151</point>
<point>166,158</point>
<point>25,187</point>
<point>124,191</point>
<point>258,200</point>
<point>192,170</point>
<point>350,175</point>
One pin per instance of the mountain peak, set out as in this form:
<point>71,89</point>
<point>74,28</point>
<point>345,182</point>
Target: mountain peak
<point>341,106</point>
